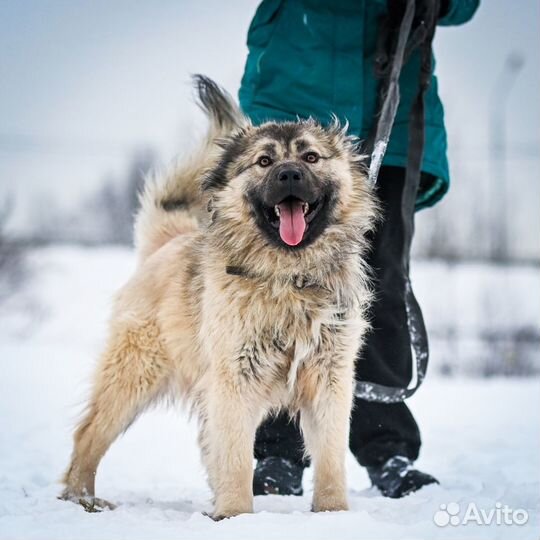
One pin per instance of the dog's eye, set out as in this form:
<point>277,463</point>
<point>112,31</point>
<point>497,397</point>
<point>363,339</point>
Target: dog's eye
<point>264,161</point>
<point>311,157</point>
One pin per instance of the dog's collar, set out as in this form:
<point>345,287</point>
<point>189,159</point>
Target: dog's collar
<point>299,281</point>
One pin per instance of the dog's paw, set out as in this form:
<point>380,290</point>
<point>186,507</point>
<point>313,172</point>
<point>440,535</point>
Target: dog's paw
<point>95,504</point>
<point>227,513</point>
<point>90,504</point>
<point>330,504</point>
<point>215,517</point>
<point>221,517</point>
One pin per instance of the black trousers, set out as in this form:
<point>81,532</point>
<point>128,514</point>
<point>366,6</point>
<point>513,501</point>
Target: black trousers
<point>378,431</point>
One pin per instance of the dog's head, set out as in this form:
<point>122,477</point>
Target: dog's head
<point>292,188</point>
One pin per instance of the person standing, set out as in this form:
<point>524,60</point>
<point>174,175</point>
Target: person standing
<point>317,58</point>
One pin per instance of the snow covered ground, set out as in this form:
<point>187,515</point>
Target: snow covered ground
<point>481,436</point>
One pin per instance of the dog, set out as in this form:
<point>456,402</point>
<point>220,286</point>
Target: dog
<point>250,297</point>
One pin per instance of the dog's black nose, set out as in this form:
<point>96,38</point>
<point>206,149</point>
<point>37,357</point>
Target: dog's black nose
<point>290,175</point>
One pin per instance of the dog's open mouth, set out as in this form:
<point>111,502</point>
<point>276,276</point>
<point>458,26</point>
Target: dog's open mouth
<point>292,217</point>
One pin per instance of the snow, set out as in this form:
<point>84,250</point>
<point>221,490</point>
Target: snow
<point>480,436</point>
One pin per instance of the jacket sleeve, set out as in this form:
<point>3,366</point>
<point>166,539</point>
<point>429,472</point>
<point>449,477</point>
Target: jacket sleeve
<point>458,12</point>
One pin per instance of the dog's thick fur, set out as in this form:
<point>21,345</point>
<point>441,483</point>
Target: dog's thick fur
<point>222,315</point>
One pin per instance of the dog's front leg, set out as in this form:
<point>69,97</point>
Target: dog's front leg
<point>325,424</point>
<point>228,439</point>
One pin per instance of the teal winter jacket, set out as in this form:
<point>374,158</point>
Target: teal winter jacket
<point>316,58</point>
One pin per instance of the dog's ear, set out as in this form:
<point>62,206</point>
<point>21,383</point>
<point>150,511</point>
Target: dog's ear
<point>353,147</point>
<point>231,148</point>
<point>336,128</point>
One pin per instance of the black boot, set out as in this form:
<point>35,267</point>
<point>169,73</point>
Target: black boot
<point>277,476</point>
<point>397,477</point>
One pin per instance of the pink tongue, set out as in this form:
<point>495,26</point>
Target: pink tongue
<point>291,222</point>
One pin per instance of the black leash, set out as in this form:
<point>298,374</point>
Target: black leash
<point>298,281</point>
<point>391,94</point>
<point>411,36</point>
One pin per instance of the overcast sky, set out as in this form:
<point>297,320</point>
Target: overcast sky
<point>85,83</point>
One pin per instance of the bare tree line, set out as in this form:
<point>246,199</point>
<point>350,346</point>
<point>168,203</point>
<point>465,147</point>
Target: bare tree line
<point>13,267</point>
<point>105,216</point>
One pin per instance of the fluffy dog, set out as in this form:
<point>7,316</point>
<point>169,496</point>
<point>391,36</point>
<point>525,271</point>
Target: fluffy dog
<point>249,297</point>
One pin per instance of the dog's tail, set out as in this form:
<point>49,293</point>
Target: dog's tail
<point>174,204</point>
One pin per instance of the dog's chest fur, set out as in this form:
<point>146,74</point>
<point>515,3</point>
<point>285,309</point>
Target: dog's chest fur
<point>283,339</point>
